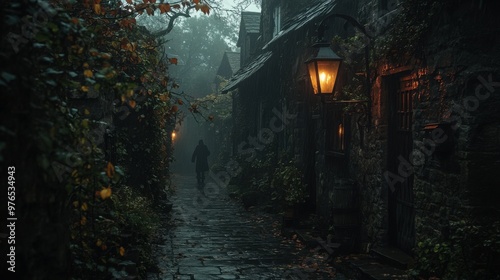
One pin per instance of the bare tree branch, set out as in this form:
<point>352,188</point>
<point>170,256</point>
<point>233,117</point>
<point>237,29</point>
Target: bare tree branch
<point>170,26</point>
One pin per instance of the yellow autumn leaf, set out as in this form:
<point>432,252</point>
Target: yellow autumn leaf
<point>110,74</point>
<point>85,88</point>
<point>98,242</point>
<point>130,93</point>
<point>86,111</point>
<point>122,251</point>
<point>85,206</point>
<point>110,170</point>
<point>105,193</point>
<point>97,8</point>
<point>75,203</point>
<point>88,73</point>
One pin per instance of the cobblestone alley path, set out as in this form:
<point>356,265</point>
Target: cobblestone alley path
<point>213,237</point>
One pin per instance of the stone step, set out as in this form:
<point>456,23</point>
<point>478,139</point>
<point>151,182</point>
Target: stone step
<point>306,238</point>
<point>311,241</point>
<point>367,267</point>
<point>392,256</point>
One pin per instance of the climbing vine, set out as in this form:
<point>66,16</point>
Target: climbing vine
<point>90,108</point>
<point>408,31</point>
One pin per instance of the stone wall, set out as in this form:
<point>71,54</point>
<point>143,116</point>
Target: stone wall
<point>452,180</point>
<point>463,88</point>
<point>449,185</point>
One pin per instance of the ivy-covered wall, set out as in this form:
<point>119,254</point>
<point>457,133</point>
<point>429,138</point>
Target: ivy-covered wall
<point>451,52</point>
<point>452,49</point>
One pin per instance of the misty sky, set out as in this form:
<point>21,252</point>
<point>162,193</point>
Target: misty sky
<point>252,8</point>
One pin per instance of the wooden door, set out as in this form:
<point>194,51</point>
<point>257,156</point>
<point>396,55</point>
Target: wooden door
<point>401,196</point>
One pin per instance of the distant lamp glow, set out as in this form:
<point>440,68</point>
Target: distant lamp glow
<point>173,135</point>
<point>341,137</point>
<point>323,69</point>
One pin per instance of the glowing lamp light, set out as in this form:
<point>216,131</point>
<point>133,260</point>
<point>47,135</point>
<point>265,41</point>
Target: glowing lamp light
<point>323,69</point>
<point>173,135</point>
<point>341,137</point>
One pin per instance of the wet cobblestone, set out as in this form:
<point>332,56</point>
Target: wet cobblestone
<point>214,237</point>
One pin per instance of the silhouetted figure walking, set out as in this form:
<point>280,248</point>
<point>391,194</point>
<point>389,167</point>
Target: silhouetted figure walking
<point>201,154</point>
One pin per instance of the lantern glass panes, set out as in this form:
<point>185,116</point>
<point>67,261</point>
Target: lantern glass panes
<point>323,70</point>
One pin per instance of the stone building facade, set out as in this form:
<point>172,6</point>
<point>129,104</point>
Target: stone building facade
<point>414,161</point>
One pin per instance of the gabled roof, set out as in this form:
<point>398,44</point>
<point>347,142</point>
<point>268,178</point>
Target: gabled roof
<point>315,12</point>
<point>249,24</point>
<point>234,60</point>
<point>229,64</point>
<point>247,71</point>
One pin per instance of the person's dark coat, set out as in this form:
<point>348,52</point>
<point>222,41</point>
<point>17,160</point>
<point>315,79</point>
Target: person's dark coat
<point>201,154</point>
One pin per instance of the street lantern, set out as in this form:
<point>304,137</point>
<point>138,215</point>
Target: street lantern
<point>323,69</point>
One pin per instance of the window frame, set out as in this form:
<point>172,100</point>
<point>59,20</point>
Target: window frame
<point>276,20</point>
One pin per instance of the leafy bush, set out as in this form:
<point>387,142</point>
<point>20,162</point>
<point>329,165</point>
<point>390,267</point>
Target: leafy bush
<point>472,251</point>
<point>270,179</point>
<point>286,184</point>
<point>137,217</point>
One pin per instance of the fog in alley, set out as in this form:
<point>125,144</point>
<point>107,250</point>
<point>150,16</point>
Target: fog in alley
<point>250,139</point>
